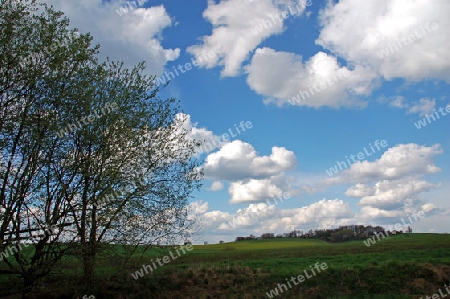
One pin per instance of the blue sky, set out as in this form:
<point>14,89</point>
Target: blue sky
<point>372,70</point>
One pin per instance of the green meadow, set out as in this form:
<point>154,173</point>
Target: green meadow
<point>395,267</point>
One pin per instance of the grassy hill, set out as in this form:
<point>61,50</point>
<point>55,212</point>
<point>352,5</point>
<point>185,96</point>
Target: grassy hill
<point>395,267</point>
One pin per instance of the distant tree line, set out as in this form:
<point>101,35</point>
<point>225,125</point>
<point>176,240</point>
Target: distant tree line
<point>334,235</point>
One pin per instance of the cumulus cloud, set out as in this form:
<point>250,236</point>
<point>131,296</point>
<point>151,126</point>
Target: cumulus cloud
<point>389,194</point>
<point>257,190</point>
<point>319,81</point>
<point>428,207</point>
<point>239,27</point>
<point>323,213</point>
<point>253,178</point>
<point>216,186</point>
<point>389,187</point>
<point>369,214</point>
<point>249,217</point>
<point>359,190</point>
<point>379,30</point>
<point>216,216</point>
<point>262,217</point>
<point>199,210</point>
<point>199,207</point>
<point>239,160</point>
<point>285,78</point>
<point>397,162</point>
<point>379,216</point>
<point>133,37</point>
<point>259,218</point>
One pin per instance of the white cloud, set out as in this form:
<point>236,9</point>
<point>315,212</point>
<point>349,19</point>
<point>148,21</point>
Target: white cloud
<point>252,190</point>
<point>285,78</point>
<point>199,207</point>
<point>239,160</point>
<point>213,217</point>
<point>233,36</point>
<point>378,25</point>
<point>132,37</point>
<point>399,161</point>
<point>216,186</point>
<point>428,207</point>
<point>320,81</point>
<point>421,107</point>
<point>389,187</point>
<point>261,218</point>
<point>390,194</point>
<point>253,178</point>
<point>321,214</point>
<point>398,102</point>
<point>370,213</point>
<point>249,217</point>
<point>359,190</point>
<point>379,216</point>
<point>424,106</point>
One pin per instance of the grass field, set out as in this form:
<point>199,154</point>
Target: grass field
<point>395,267</point>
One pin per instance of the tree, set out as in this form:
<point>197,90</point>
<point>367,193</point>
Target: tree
<point>88,149</point>
<point>133,167</point>
<point>34,83</point>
